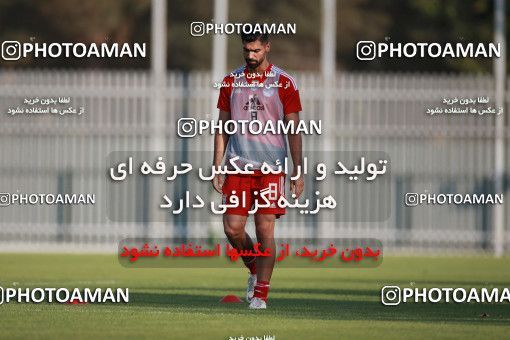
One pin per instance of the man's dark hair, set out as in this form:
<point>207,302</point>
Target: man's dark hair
<point>251,37</point>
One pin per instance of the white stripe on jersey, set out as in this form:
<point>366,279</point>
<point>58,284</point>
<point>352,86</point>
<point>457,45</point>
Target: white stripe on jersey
<point>279,70</point>
<point>283,186</point>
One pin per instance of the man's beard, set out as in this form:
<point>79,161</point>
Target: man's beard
<point>253,64</point>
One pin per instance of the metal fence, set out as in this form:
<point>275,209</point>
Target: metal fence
<point>370,112</point>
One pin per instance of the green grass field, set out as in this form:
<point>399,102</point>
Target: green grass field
<point>304,303</point>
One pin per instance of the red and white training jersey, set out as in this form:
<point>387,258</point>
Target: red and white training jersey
<point>263,103</point>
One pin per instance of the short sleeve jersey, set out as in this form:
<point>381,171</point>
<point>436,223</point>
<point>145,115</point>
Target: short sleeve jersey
<point>250,98</point>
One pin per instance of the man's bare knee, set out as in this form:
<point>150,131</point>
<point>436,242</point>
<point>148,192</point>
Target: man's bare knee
<point>234,226</point>
<point>233,232</point>
<point>265,226</point>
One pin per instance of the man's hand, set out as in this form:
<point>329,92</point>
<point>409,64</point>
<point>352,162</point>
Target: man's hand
<point>297,185</point>
<point>220,143</point>
<point>295,144</point>
<point>217,183</point>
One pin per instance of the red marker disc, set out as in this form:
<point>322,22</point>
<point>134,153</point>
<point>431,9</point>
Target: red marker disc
<point>75,302</point>
<point>230,299</point>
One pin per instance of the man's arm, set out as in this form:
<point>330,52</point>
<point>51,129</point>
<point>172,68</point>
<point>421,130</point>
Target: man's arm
<point>220,144</point>
<point>295,144</point>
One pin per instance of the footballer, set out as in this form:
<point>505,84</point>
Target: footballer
<point>263,103</point>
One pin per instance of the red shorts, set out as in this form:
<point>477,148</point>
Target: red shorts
<point>248,187</point>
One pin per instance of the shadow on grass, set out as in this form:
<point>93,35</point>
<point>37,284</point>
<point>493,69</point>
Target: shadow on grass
<point>323,309</point>
<point>404,283</point>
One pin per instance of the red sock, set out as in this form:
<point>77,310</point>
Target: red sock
<point>261,290</point>
<point>252,266</point>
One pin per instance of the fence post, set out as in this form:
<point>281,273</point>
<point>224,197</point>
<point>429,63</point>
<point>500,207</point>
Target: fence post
<point>499,147</point>
<point>64,212</point>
